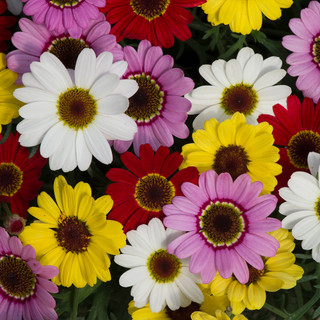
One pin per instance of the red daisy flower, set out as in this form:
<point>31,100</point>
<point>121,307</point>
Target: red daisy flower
<point>19,175</point>
<point>157,20</point>
<point>296,131</point>
<point>5,22</point>
<point>139,195</point>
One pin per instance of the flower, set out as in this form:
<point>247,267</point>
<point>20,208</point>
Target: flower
<point>19,175</point>
<point>219,315</point>
<point>73,234</point>
<point>61,15</point>
<point>9,105</point>
<point>157,107</point>
<point>235,147</point>
<point>157,21</point>
<point>225,224</point>
<point>5,22</point>
<point>313,162</point>
<point>63,46</point>
<point>304,60</point>
<point>15,224</point>
<point>24,284</point>
<point>14,6</point>
<point>139,195</point>
<point>296,131</point>
<point>156,276</point>
<point>244,84</point>
<point>302,209</point>
<point>279,272</point>
<point>243,16</point>
<point>73,116</point>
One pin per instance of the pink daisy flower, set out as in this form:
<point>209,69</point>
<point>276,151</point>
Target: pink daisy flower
<point>24,284</point>
<point>62,15</point>
<point>157,107</point>
<point>305,44</point>
<point>34,39</point>
<point>226,225</point>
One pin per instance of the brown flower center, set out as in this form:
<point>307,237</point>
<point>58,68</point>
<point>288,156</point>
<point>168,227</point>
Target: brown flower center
<point>149,9</point>
<point>163,266</point>
<point>11,178</point>
<point>239,98</point>
<point>153,192</point>
<point>221,223</point>
<point>232,159</point>
<point>254,274</point>
<point>300,145</point>
<point>183,313</point>
<point>146,103</point>
<point>16,277</point>
<point>73,234</point>
<point>64,3</point>
<point>76,108</point>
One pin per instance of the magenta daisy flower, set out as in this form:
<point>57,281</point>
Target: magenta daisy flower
<point>158,107</point>
<point>226,225</point>
<point>34,39</point>
<point>62,15</point>
<point>24,284</point>
<point>305,44</point>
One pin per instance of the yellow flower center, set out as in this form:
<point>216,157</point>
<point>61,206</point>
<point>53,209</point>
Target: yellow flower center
<point>146,103</point>
<point>76,108</point>
<point>67,50</point>
<point>317,208</point>
<point>153,192</point>
<point>182,313</point>
<point>149,9</point>
<point>16,278</point>
<point>300,145</point>
<point>11,178</point>
<point>316,50</point>
<point>73,234</point>
<point>239,98</point>
<point>232,159</point>
<point>65,3</point>
<point>163,266</point>
<point>221,224</point>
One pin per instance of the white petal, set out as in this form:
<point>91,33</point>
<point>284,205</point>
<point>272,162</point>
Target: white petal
<point>113,104</point>
<point>14,6</point>
<point>36,110</point>
<point>214,94</point>
<point>207,114</point>
<point>157,234</point>
<point>130,261</point>
<point>218,69</point>
<point>141,291</point>
<point>38,126</point>
<point>270,64</point>
<point>269,79</point>
<point>292,219</point>
<point>274,93</point>
<point>244,55</point>
<point>314,162</point>
<point>157,298</point>
<point>27,95</point>
<point>30,81</point>
<point>316,253</point>
<point>312,238</point>
<point>299,202</point>
<point>126,87</point>
<point>104,85</point>
<point>189,288</point>
<point>104,62</point>
<point>303,227</point>
<point>288,208</point>
<point>206,73</point>
<point>233,71</point>
<point>83,155</point>
<point>173,294</point>
<point>85,69</point>
<point>252,69</point>
<point>133,276</point>
<point>119,68</point>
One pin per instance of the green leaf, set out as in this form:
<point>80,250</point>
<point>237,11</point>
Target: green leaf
<point>316,313</point>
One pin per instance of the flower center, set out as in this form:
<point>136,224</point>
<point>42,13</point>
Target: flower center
<point>67,50</point>
<point>146,103</point>
<point>149,9</point>
<point>254,274</point>
<point>240,97</point>
<point>16,277</point>
<point>64,3</point>
<point>221,223</point>
<point>317,208</point>
<point>73,234</point>
<point>183,313</point>
<point>232,159</point>
<point>163,266</point>
<point>10,179</point>
<point>153,192</point>
<point>76,108</point>
<point>316,50</point>
<point>300,145</point>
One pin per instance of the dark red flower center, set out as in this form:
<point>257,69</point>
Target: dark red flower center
<point>183,313</point>
<point>149,9</point>
<point>76,108</point>
<point>11,178</point>
<point>146,103</point>
<point>73,234</point>
<point>241,98</point>
<point>67,50</point>
<point>254,274</point>
<point>16,277</point>
<point>221,224</point>
<point>163,266</point>
<point>64,3</point>
<point>300,145</point>
<point>232,159</point>
<point>153,192</point>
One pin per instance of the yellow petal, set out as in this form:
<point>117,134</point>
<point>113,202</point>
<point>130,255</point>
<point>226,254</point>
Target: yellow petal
<point>104,204</point>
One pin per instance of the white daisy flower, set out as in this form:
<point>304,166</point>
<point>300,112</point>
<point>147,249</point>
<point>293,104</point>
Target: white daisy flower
<point>314,162</point>
<point>15,6</point>
<point>156,276</point>
<point>72,113</point>
<point>245,84</point>
<point>302,210</point>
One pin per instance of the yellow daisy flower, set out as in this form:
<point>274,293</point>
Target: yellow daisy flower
<point>209,306</point>
<point>9,105</point>
<point>235,147</point>
<point>279,272</point>
<point>74,235</point>
<point>245,15</point>
<point>219,315</point>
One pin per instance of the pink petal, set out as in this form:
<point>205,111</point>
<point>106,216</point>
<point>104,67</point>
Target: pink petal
<point>224,186</point>
<point>194,194</point>
<point>209,270</point>
<point>224,262</point>
<point>181,222</point>
<point>267,225</point>
<point>262,244</point>
<point>15,246</point>
<point>240,267</point>
<point>248,255</point>
<point>185,205</point>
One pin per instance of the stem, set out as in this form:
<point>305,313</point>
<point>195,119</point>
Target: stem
<point>275,310</point>
<point>6,209</point>
<point>75,303</point>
